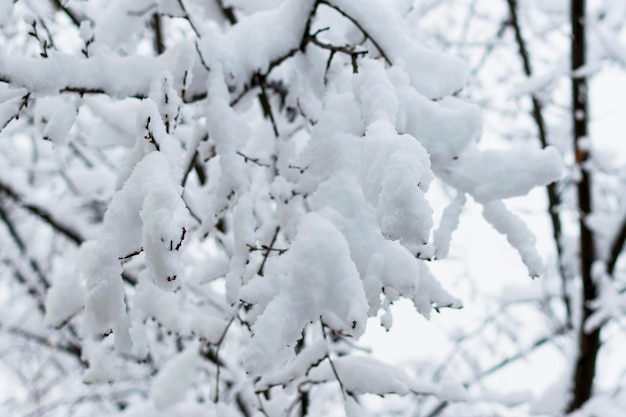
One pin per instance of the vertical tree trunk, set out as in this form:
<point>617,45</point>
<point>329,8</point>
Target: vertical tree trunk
<point>588,343</point>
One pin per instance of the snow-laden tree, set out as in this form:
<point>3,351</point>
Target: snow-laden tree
<point>550,74</point>
<point>203,203</point>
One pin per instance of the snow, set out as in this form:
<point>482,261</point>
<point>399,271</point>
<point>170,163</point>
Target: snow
<point>230,134</point>
<point>433,74</point>
<point>354,409</point>
<point>176,315</point>
<point>375,93</point>
<point>9,108</point>
<point>104,300</point>
<point>498,174</point>
<point>114,75</point>
<point>65,297</point>
<point>282,32</point>
<point>447,225</point>
<point>316,279</point>
<point>116,24</point>
<point>311,355</point>
<point>146,214</point>
<point>381,263</point>
<point>171,384</point>
<point>610,301</point>
<point>86,31</point>
<point>298,238</point>
<point>182,409</point>
<point>103,368</point>
<point>59,121</point>
<point>6,9</point>
<point>452,391</point>
<point>363,375</point>
<point>517,233</point>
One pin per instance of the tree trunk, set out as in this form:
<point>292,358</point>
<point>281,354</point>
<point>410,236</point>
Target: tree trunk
<point>588,343</point>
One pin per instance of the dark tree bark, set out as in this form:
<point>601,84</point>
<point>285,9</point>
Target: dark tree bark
<point>588,342</point>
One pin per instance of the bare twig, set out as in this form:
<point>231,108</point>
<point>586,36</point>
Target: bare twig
<point>348,50</point>
<point>267,107</point>
<point>361,28</point>
<point>268,251</point>
<point>256,161</point>
<point>187,17</point>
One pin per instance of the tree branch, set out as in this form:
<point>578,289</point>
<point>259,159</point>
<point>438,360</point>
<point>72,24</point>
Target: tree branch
<point>361,28</point>
<point>157,27</point>
<point>68,12</point>
<point>71,349</point>
<point>616,248</point>
<point>268,251</point>
<point>588,342</point>
<point>41,213</point>
<point>553,196</point>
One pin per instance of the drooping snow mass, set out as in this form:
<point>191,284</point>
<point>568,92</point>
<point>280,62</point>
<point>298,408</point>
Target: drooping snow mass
<point>9,108</point>
<point>433,74</point>
<point>65,298</point>
<point>490,175</point>
<point>117,76</point>
<point>170,386</point>
<point>244,201</point>
<point>449,222</point>
<point>147,215</point>
<point>361,375</point>
<point>59,121</point>
<point>241,52</point>
<point>516,232</point>
<point>315,279</point>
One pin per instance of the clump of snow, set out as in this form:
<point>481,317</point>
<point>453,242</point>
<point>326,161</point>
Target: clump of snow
<point>118,22</point>
<point>6,11</point>
<point>239,57</point>
<point>104,299</point>
<point>86,31</point>
<point>363,375</point>
<point>117,76</point>
<point>516,232</point>
<point>433,74</point>
<point>316,279</point>
<point>449,222</point>
<point>56,116</point>
<point>171,384</point>
<point>65,298</point>
<point>499,174</point>
<point>174,314</point>
<point>9,108</point>
<point>146,214</point>
<point>452,391</point>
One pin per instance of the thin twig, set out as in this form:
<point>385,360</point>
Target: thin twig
<point>256,161</point>
<point>358,25</point>
<point>267,107</point>
<point>268,251</point>
<point>187,17</point>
